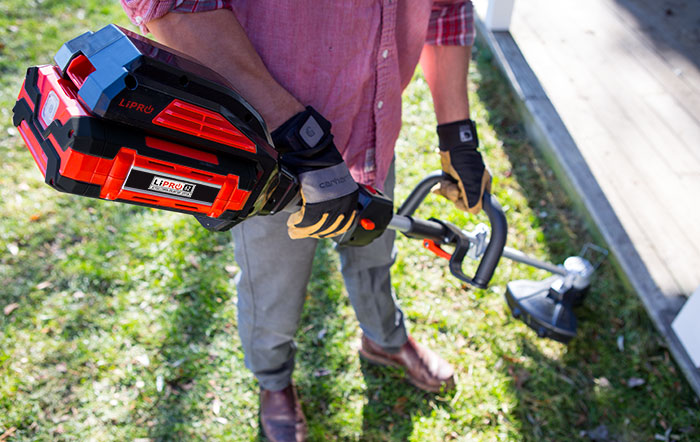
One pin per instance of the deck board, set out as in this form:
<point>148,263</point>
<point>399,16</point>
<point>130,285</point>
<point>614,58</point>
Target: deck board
<point>592,63</point>
<point>610,89</point>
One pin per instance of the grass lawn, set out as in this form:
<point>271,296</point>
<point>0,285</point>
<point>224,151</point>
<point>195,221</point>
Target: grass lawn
<point>119,323</point>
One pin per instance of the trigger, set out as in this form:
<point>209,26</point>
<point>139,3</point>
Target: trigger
<point>433,247</point>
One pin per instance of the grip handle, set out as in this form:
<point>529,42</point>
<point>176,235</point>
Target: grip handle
<point>450,234</point>
<point>499,234</point>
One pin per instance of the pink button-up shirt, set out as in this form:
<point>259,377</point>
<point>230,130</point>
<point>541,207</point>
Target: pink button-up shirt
<point>350,60</point>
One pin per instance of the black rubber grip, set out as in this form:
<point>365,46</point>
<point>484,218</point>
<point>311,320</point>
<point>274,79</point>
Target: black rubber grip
<point>428,229</point>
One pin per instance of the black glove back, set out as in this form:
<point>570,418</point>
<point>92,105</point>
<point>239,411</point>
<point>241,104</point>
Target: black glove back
<point>462,161</point>
<point>328,191</point>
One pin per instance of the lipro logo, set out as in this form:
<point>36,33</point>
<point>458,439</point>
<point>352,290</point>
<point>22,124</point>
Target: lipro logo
<point>139,107</point>
<point>173,187</point>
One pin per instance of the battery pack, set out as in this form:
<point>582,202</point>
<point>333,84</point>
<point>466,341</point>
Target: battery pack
<point>82,154</point>
<point>124,77</point>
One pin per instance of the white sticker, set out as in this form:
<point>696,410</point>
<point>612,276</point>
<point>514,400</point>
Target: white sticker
<point>174,187</point>
<point>48,112</point>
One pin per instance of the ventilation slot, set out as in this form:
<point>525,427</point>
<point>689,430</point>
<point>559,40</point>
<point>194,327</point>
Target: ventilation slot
<point>194,172</point>
<point>161,164</point>
<point>202,123</point>
<point>184,206</point>
<point>148,200</point>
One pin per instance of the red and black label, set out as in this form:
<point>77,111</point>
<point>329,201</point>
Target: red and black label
<point>171,186</point>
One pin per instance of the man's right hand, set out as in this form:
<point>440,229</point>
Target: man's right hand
<point>329,193</point>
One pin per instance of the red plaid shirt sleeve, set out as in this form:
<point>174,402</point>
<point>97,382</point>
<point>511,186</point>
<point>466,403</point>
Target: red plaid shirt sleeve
<point>451,24</point>
<point>140,12</point>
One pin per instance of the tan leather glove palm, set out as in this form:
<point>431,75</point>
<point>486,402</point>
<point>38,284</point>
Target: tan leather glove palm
<point>327,209</point>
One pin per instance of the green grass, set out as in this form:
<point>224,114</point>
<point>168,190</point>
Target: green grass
<point>126,325</point>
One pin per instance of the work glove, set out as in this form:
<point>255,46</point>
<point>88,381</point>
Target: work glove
<point>462,162</point>
<point>328,191</point>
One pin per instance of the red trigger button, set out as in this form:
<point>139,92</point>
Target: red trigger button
<point>433,247</point>
<point>367,224</point>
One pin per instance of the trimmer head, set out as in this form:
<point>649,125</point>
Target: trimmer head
<point>543,309</point>
<point>547,306</point>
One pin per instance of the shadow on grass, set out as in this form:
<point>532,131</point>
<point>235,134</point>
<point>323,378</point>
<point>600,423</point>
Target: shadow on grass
<point>320,361</point>
<point>561,230</point>
<point>567,382</point>
<point>173,412</point>
<point>327,363</point>
<point>193,328</point>
<point>190,325</point>
<point>392,404</point>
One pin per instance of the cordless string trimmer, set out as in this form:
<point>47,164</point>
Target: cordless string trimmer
<point>122,118</point>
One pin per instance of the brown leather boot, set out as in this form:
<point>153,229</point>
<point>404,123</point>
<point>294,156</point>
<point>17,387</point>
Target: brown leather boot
<point>424,368</point>
<point>281,416</point>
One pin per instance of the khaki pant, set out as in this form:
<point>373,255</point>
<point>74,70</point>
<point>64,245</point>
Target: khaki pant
<point>272,286</point>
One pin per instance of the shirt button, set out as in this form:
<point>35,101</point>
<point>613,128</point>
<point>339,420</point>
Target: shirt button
<point>380,104</point>
<point>385,54</point>
<point>138,19</point>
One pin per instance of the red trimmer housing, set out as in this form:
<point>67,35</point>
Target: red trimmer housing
<point>156,144</point>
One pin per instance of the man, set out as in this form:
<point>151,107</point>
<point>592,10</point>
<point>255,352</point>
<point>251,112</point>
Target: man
<point>350,61</point>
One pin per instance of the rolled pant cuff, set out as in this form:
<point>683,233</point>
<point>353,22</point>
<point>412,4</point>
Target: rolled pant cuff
<point>273,384</point>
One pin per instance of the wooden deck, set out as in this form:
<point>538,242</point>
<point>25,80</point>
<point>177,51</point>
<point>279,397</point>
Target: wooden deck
<point>611,88</point>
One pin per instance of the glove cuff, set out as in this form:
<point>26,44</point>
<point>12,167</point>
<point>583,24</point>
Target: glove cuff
<point>458,133</point>
<point>306,143</point>
<point>305,130</point>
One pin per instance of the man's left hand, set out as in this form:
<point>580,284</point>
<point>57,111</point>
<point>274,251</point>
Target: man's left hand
<point>462,161</point>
